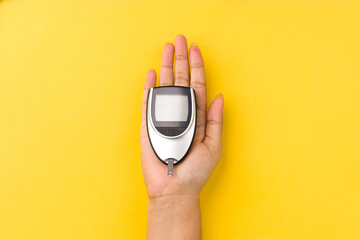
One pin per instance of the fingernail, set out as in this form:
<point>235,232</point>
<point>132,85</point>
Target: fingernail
<point>220,95</point>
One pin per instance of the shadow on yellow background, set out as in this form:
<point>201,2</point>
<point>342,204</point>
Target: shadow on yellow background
<point>71,79</point>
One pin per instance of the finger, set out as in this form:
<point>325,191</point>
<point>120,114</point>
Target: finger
<point>181,62</point>
<point>166,70</point>
<point>149,83</point>
<point>214,124</point>
<point>199,84</point>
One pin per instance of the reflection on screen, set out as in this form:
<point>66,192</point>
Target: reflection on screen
<point>171,107</point>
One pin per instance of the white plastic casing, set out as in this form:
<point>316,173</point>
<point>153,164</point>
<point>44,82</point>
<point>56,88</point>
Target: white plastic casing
<point>175,147</point>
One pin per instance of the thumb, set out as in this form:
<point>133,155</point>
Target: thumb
<point>214,123</point>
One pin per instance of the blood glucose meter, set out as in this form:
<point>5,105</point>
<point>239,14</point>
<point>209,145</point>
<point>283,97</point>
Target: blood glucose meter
<point>171,122</point>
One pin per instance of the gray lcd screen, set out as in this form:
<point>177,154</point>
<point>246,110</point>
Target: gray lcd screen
<point>171,107</point>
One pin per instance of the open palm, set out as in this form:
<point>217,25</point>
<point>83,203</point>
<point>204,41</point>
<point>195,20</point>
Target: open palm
<point>193,172</point>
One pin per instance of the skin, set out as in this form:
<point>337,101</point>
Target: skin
<point>174,206</point>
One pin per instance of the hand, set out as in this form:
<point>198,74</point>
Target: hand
<point>193,172</point>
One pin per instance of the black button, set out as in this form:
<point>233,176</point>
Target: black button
<point>171,132</point>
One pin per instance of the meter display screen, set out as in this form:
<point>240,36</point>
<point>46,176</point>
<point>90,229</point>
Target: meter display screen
<point>171,107</point>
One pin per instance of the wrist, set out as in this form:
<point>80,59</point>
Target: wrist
<point>174,217</point>
<point>173,200</point>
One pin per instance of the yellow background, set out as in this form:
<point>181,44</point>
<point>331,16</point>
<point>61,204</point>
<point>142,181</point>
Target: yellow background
<point>71,81</point>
